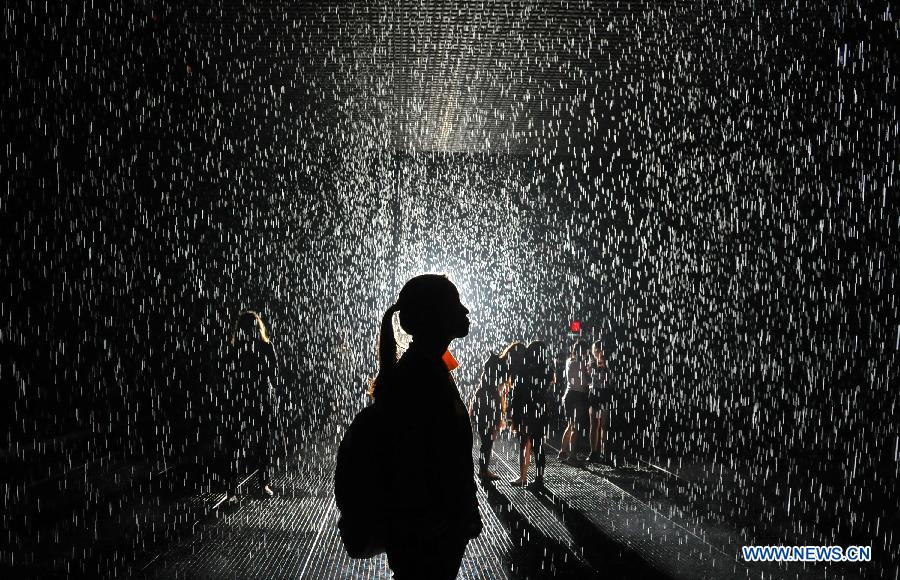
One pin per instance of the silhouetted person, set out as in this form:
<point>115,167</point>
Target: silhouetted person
<point>253,369</point>
<point>529,406</point>
<point>513,358</point>
<point>601,404</point>
<point>429,496</point>
<point>486,411</point>
<point>575,400</point>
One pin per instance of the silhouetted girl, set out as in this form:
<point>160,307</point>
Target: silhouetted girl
<point>432,510</point>
<point>601,403</point>
<point>529,407</point>
<point>486,411</point>
<point>513,358</point>
<point>575,400</point>
<point>253,371</point>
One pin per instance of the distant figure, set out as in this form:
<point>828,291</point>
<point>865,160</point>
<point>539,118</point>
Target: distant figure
<point>575,400</point>
<point>430,501</point>
<point>601,403</point>
<point>486,411</point>
<point>513,358</point>
<point>528,404</point>
<point>253,369</point>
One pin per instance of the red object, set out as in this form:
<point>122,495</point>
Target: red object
<point>575,326</point>
<point>450,361</point>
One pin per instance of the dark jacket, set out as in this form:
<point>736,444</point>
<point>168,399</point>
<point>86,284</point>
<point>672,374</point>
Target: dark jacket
<point>486,409</point>
<point>602,385</point>
<point>529,400</point>
<point>430,487</point>
<point>253,372</point>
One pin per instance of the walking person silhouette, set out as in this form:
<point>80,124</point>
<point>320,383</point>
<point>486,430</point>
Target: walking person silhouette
<point>529,404</point>
<point>253,370</point>
<point>486,410</point>
<point>430,502</point>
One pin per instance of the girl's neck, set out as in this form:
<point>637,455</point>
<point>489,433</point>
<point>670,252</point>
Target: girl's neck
<point>431,347</point>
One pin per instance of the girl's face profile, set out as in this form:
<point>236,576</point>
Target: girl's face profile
<point>457,315</point>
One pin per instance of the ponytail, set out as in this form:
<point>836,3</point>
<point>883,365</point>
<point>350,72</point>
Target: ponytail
<point>387,350</point>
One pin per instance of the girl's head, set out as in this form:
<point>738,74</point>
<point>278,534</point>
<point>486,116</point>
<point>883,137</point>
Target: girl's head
<point>430,308</point>
<point>430,311</point>
<point>597,349</point>
<point>514,357</point>
<point>579,351</point>
<point>248,326</point>
<point>538,355</point>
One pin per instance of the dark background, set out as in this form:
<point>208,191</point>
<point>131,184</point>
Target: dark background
<point>709,187</point>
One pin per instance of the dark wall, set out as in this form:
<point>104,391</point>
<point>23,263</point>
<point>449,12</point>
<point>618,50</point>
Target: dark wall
<point>713,192</point>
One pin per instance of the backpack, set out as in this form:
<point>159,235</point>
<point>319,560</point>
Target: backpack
<point>358,485</point>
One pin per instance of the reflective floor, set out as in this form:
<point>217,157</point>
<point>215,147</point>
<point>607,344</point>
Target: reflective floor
<point>634,520</point>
